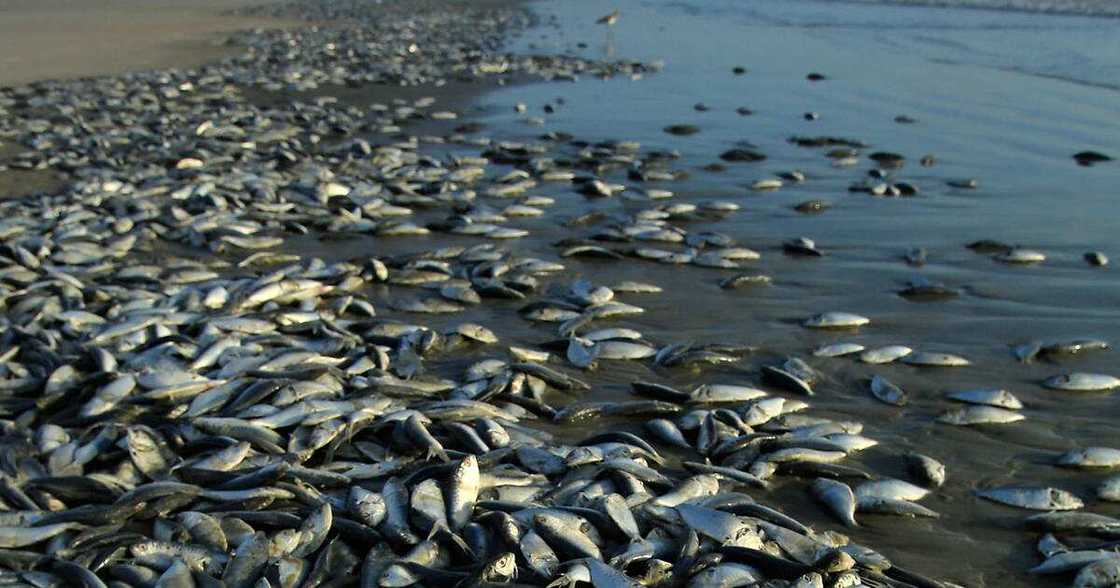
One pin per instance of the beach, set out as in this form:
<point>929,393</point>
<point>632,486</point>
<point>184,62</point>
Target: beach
<point>679,199</point>
<point>59,39</point>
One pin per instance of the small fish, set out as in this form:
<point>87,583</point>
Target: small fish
<point>988,396</point>
<point>925,468</point>
<point>1032,498</point>
<point>836,320</point>
<point>1082,382</point>
<point>1102,573</point>
<point>932,359</point>
<point>886,354</point>
<point>1090,457</point>
<point>890,489</point>
<point>895,507</point>
<point>1069,561</point>
<point>885,391</point>
<point>462,492</point>
<point>979,415</point>
<point>839,498</point>
<point>838,349</point>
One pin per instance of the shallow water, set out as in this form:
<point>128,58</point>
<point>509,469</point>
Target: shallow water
<point>1004,97</point>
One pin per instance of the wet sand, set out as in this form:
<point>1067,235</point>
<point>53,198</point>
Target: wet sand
<point>1002,305</point>
<point>60,39</point>
<point>984,86</point>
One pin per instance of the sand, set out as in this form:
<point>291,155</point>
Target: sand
<point>56,39</point>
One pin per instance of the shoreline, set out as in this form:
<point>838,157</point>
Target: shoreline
<point>459,296</point>
<point>217,30</point>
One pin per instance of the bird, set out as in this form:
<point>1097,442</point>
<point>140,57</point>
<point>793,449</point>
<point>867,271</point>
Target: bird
<point>609,19</point>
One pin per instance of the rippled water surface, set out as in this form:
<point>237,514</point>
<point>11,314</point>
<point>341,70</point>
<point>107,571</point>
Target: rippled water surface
<point>1003,97</point>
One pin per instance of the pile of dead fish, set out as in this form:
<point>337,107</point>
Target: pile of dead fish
<point>171,425</point>
<point>191,399</point>
<point>251,420</point>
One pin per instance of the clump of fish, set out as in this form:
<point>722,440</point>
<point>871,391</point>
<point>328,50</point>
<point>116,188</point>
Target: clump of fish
<point>189,401</point>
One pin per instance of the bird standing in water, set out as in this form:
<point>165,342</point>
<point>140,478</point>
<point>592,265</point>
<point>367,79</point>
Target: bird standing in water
<point>609,20</point>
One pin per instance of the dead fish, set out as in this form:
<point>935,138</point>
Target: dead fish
<point>802,246</point>
<point>812,206</point>
<point>987,396</point>
<point>603,575</point>
<point>895,507</point>
<point>1075,522</point>
<point>839,498</point>
<point>1109,489</point>
<point>667,432</point>
<point>837,349</point>
<point>890,489</point>
<point>744,280</point>
<point>564,537</point>
<point>1026,352</point>
<point>933,359</point>
<point>463,491</point>
<point>1074,347</point>
<point>540,558</point>
<point>1082,382</point>
<point>926,469</point>
<point>1033,498</point>
<point>1090,457</point>
<point>722,527</point>
<point>1021,256</point>
<point>691,488</point>
<point>887,354</point>
<point>885,391</point>
<point>1069,561</point>
<point>1096,259</point>
<point>1099,574</point>
<point>17,537</point>
<point>836,320</point>
<point>247,562</point>
<point>1049,546</point>
<point>922,289</point>
<point>979,415</point>
<point>784,379</point>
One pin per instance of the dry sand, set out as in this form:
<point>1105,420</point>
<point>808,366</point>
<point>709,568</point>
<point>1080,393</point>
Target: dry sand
<point>52,39</point>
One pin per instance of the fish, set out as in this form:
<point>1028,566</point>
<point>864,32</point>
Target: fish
<point>838,349</point>
<point>836,320</point>
<point>890,489</point>
<point>838,497</point>
<point>935,359</point>
<point>928,470</point>
<point>1090,457</point>
<point>987,396</point>
<point>462,492</point>
<point>1032,498</point>
<point>887,392</point>
<point>1082,382</point>
<point>887,354</point>
<point>1069,561</point>
<point>979,415</point>
<point>1103,572</point>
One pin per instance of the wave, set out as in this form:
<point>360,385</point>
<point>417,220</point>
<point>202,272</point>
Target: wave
<point>1099,8</point>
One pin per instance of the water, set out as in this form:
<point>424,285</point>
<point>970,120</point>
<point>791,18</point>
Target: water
<point>1005,97</point>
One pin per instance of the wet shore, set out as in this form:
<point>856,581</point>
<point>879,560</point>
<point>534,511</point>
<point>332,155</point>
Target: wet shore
<point>399,213</point>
